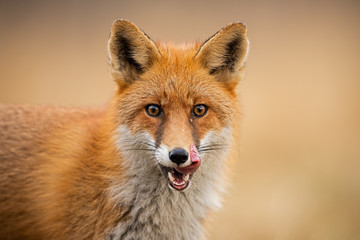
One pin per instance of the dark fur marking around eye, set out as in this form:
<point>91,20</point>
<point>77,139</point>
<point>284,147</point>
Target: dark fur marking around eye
<point>160,131</point>
<point>195,133</point>
<point>125,53</point>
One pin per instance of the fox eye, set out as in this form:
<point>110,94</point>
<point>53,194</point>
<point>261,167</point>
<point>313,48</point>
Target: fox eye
<point>200,110</point>
<point>153,110</point>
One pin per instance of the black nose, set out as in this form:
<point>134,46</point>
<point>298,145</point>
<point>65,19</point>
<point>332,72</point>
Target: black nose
<point>178,155</point>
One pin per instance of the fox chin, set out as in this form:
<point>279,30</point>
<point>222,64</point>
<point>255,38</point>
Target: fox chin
<point>148,165</point>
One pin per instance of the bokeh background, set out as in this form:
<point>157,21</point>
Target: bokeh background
<point>298,176</point>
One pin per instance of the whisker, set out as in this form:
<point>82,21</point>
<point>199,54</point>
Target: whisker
<point>216,146</point>
<point>140,149</point>
<point>141,142</point>
<point>209,149</point>
<point>213,145</point>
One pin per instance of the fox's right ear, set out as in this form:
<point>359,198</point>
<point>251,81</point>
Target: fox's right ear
<point>131,52</point>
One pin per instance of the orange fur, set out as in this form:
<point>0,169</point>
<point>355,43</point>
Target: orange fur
<point>50,156</point>
<point>58,165</point>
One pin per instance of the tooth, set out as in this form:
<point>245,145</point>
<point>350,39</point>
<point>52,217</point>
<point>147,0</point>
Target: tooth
<point>179,184</point>
<point>171,178</point>
<point>186,177</point>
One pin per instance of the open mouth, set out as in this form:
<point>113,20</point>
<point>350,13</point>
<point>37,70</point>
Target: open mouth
<point>176,180</point>
<point>179,178</point>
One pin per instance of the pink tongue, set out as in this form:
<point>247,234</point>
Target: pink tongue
<point>195,162</point>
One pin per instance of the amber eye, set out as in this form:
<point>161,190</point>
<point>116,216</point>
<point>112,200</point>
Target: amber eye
<point>200,110</point>
<point>153,110</point>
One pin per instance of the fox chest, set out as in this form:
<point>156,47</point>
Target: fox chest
<point>169,215</point>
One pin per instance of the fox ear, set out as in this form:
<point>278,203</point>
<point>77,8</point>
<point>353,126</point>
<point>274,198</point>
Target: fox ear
<point>224,54</point>
<point>131,52</point>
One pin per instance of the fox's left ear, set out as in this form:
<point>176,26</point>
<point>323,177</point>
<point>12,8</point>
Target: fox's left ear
<point>224,54</point>
<point>131,52</point>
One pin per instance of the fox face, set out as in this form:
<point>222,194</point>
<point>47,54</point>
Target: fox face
<point>176,106</point>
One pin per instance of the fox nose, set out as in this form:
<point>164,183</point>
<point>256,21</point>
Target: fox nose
<point>178,155</point>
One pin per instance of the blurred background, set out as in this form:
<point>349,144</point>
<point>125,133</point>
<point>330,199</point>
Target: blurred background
<point>298,176</point>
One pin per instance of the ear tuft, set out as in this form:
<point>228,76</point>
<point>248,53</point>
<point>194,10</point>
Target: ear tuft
<point>224,54</point>
<point>131,52</point>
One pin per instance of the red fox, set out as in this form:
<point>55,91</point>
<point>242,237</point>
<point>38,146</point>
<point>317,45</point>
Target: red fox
<point>149,165</point>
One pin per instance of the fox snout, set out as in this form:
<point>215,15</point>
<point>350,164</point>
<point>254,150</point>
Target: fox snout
<point>173,156</point>
<point>186,164</point>
<point>178,156</point>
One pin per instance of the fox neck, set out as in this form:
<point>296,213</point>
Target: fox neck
<point>155,211</point>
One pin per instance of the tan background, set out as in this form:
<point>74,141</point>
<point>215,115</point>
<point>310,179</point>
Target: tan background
<point>299,172</point>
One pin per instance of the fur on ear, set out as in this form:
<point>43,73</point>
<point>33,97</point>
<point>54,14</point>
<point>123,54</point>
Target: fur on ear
<point>131,52</point>
<point>224,54</point>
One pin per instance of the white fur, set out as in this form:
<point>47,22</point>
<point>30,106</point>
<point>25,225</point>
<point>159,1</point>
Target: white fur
<point>162,156</point>
<point>155,211</point>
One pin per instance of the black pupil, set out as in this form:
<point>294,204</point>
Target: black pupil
<point>199,110</point>
<point>153,110</point>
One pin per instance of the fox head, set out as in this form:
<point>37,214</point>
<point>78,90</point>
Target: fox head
<point>176,106</point>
